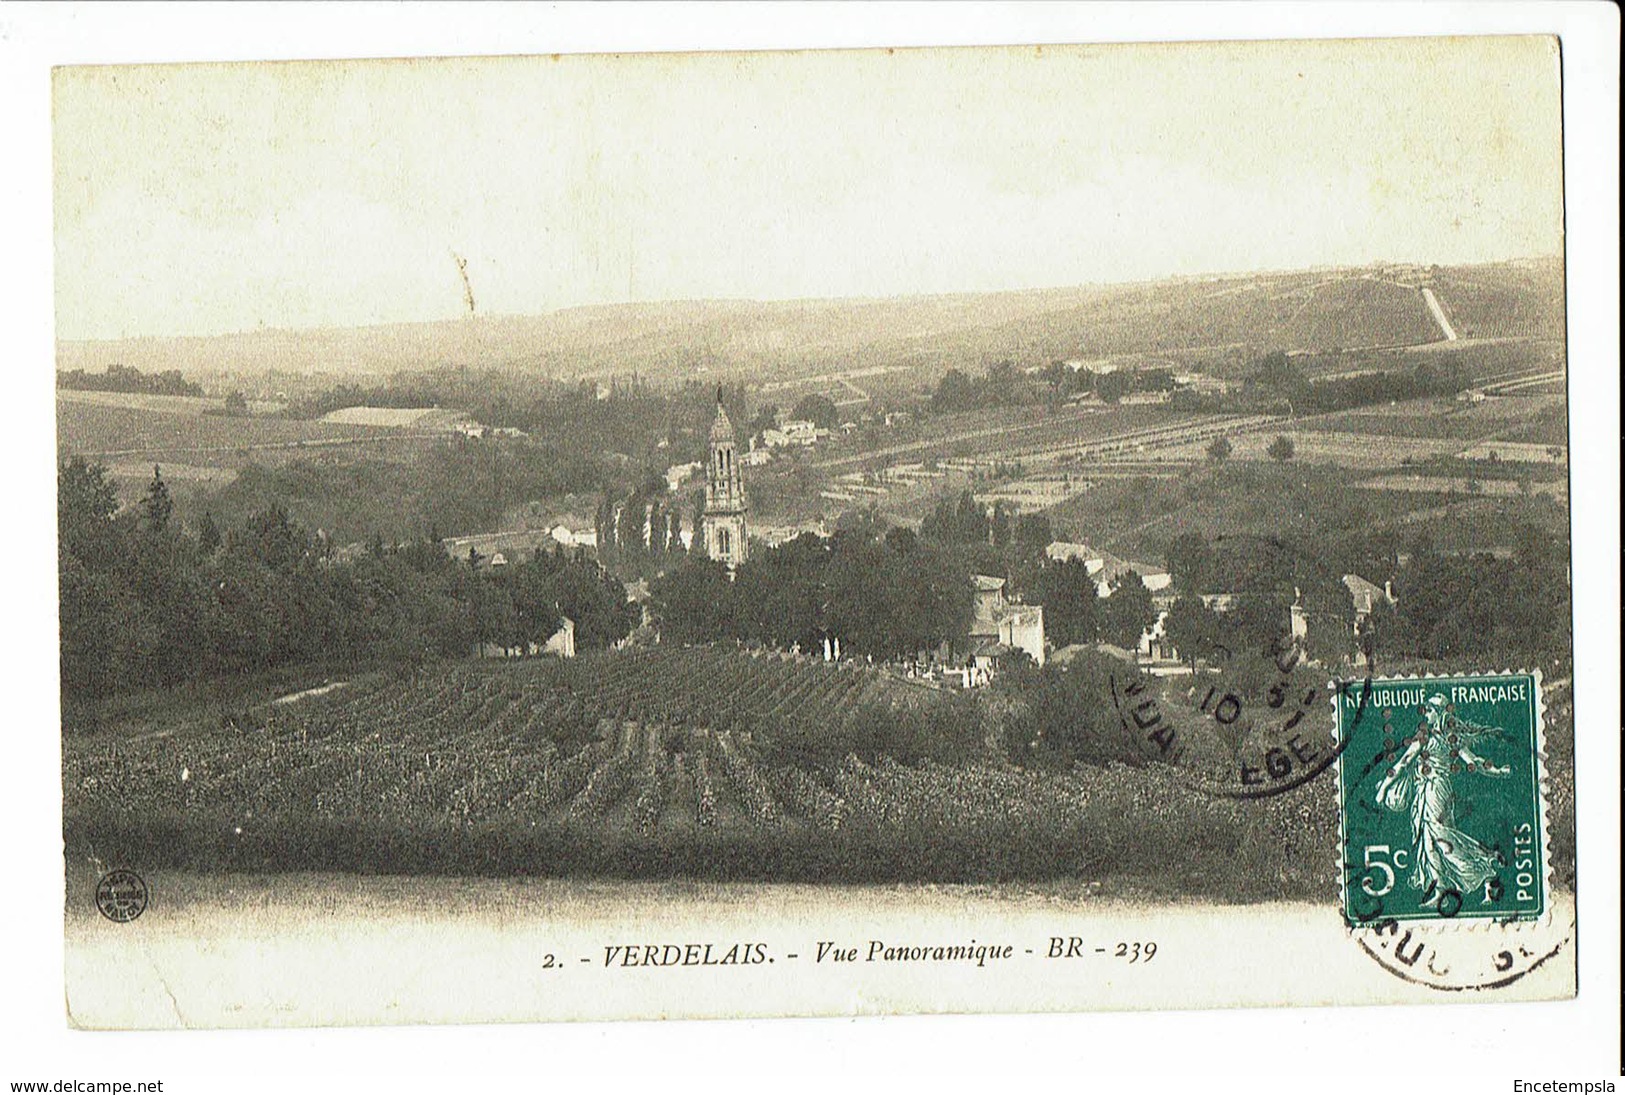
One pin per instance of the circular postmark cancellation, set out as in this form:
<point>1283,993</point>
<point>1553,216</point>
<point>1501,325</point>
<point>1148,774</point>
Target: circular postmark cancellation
<point>1438,957</point>
<point>1241,713</point>
<point>121,895</point>
<point>1279,749</point>
<point>1444,865</point>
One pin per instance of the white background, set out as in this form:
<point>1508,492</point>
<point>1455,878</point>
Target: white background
<point>1335,1049</point>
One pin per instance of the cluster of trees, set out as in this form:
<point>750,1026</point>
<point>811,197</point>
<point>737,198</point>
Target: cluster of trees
<point>1481,605</point>
<point>1058,716</point>
<point>1004,385</point>
<point>820,410</point>
<point>1001,385</point>
<point>1074,611</point>
<point>997,541</point>
<point>125,378</point>
<point>148,602</point>
<point>458,485</point>
<point>1279,382</point>
<point>1447,606</point>
<point>1282,449</point>
<point>1065,382</point>
<point>524,603</point>
<point>645,527</point>
<point>1276,382</point>
<point>889,596</point>
<point>961,519</point>
<point>1261,577</point>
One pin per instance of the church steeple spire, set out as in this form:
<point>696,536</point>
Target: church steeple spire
<point>725,502</point>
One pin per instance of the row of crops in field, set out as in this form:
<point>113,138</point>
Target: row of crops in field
<point>643,763</point>
<point>634,738</point>
<point>1354,312</point>
<point>1504,301</point>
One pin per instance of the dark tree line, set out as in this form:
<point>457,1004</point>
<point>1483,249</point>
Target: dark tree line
<point>1003,385</point>
<point>961,520</point>
<point>887,597</point>
<point>1065,382</point>
<point>1000,386</point>
<point>126,378</point>
<point>1279,382</point>
<point>645,524</point>
<point>146,602</point>
<point>1481,605</point>
<point>1446,606</point>
<point>457,486</point>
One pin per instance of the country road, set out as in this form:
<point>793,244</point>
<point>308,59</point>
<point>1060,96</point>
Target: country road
<point>1438,315</point>
<point>1142,439</point>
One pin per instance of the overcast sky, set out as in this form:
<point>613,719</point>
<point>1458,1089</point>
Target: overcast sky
<point>211,198</point>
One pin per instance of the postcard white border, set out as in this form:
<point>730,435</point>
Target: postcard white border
<point>1232,1050</point>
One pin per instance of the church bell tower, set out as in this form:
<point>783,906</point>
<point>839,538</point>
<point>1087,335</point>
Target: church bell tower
<point>725,503</point>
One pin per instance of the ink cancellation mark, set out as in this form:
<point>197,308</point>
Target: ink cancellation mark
<point>1462,961</point>
<point>1293,758</point>
<point>1278,741</point>
<point>121,896</point>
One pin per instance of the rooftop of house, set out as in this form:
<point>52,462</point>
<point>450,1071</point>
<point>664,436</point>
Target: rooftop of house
<point>1365,595</point>
<point>1101,564</point>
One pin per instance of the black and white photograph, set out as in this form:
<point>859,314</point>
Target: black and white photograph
<point>734,534</point>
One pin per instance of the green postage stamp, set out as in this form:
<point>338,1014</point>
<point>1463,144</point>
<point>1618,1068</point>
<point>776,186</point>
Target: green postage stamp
<point>1439,790</point>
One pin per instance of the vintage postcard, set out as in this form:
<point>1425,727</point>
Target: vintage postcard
<point>814,533</point>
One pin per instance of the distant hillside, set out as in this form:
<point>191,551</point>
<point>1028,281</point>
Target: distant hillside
<point>1310,310</point>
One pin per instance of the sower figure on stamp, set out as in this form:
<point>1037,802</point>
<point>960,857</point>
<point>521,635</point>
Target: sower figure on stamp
<point>1444,857</point>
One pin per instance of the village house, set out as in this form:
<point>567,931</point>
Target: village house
<point>678,474</point>
<point>1159,655</point>
<point>581,535</point>
<point>1106,569</point>
<point>1202,384</point>
<point>1000,627</point>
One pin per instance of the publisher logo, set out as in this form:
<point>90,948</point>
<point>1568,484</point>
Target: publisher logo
<point>121,896</point>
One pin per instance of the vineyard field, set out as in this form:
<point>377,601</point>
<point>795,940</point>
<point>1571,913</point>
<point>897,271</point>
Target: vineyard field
<point>646,763</point>
<point>1421,419</point>
<point>102,427</point>
<point>1357,312</point>
<point>1503,300</point>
